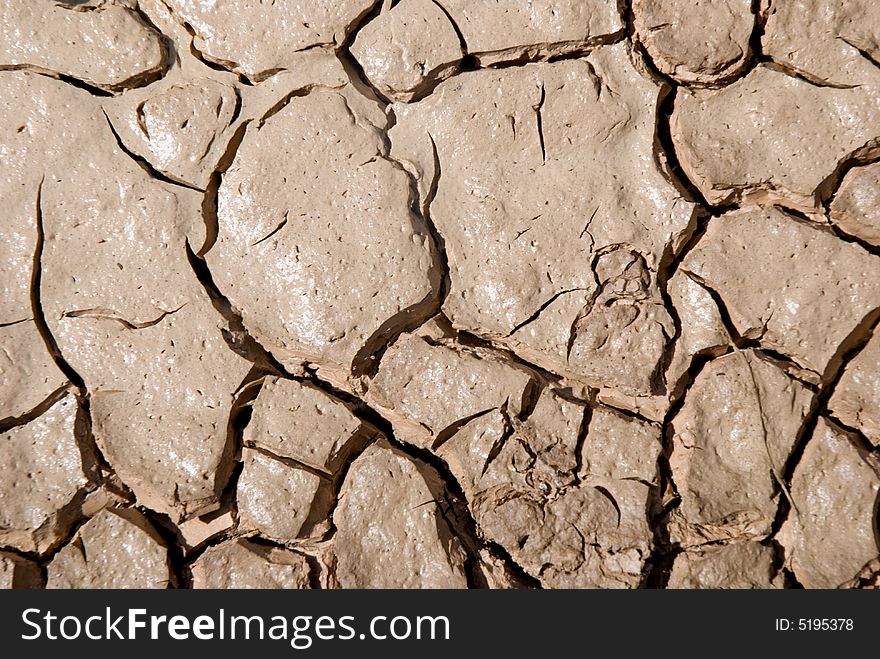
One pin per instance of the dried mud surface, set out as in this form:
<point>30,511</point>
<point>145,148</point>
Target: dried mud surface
<point>440,294</point>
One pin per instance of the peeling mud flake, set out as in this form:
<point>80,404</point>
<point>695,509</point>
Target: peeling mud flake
<point>409,47</point>
<point>312,208</point>
<point>732,439</point>
<point>115,549</point>
<point>830,532</point>
<point>429,390</point>
<point>101,43</point>
<point>620,339</point>
<point>856,398</point>
<point>281,501</point>
<point>391,531</point>
<point>521,227</point>
<point>17,572</point>
<point>798,288</point>
<point>772,137</point>
<point>701,42</point>
<point>257,38</point>
<point>243,564</point>
<point>740,565</point>
<point>297,421</point>
<point>43,486</point>
<point>856,204</point>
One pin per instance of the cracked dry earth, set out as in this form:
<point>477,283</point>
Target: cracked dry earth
<point>440,293</point>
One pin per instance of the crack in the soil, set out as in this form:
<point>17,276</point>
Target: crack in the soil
<point>349,62</point>
<point>236,335</point>
<point>470,61</point>
<point>212,190</point>
<point>866,444</point>
<point>368,359</point>
<point>847,352</point>
<point>826,191</point>
<point>539,122</point>
<point>145,164</point>
<point>458,33</point>
<point>109,314</point>
<point>866,55</point>
<point>456,510</point>
<point>659,562</point>
<point>9,422</point>
<point>452,504</point>
<point>804,76</point>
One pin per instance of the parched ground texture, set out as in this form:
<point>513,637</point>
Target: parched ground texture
<point>440,293</point>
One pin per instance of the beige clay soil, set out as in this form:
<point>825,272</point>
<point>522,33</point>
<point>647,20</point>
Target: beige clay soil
<point>440,293</point>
